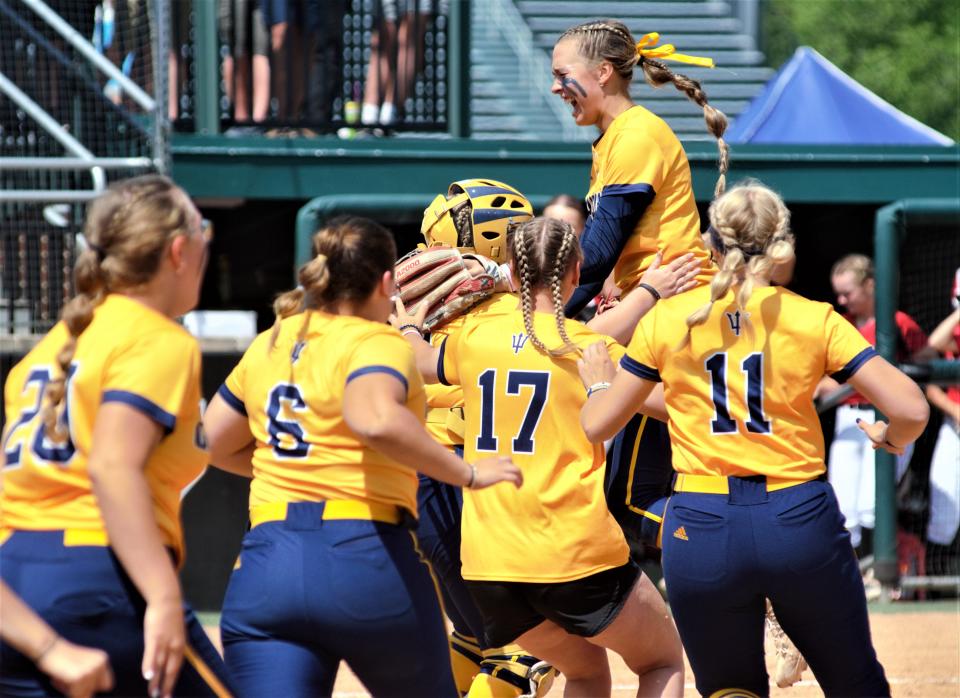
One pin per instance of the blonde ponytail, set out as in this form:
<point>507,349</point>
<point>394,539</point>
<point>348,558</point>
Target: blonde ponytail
<point>733,264</point>
<point>77,315</point>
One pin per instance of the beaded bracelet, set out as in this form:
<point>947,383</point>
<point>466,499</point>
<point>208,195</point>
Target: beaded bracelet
<point>403,329</point>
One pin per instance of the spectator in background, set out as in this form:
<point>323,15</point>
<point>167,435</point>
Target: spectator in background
<point>380,89</point>
<point>176,61</point>
<point>569,209</point>
<point>243,32</point>
<point>284,20</point>
<point>945,465</point>
<point>324,21</point>
<point>411,36</point>
<point>851,459</point>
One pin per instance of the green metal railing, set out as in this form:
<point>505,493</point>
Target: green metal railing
<point>377,206</point>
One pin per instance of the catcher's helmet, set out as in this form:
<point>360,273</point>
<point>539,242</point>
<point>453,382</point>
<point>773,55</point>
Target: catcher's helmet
<point>494,205</point>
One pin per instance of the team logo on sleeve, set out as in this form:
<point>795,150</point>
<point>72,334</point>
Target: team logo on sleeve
<point>518,341</point>
<point>734,320</point>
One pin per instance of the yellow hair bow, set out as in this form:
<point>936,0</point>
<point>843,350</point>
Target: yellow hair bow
<point>667,51</point>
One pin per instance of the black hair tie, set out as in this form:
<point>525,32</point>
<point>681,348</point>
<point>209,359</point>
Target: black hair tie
<point>717,243</point>
<point>99,251</point>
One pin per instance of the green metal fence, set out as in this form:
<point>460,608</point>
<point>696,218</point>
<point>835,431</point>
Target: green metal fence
<point>894,225</point>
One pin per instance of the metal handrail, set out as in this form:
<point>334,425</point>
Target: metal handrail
<point>49,195</point>
<point>49,124</point>
<point>52,163</point>
<point>535,69</point>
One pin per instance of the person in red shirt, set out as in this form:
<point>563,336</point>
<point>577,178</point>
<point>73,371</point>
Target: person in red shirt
<point>851,460</point>
<point>945,464</point>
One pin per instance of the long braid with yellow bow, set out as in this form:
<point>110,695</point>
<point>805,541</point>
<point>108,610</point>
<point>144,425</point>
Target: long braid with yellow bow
<point>650,57</point>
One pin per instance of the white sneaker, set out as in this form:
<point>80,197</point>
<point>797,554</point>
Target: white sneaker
<point>790,663</point>
<point>872,588</point>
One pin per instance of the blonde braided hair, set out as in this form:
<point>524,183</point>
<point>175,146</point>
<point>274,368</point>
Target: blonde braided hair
<point>752,226</point>
<point>352,255</point>
<point>127,231</point>
<point>534,245</point>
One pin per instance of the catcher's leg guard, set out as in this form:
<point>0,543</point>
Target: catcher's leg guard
<point>509,672</point>
<point>465,657</point>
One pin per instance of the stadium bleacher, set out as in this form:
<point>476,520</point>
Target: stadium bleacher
<point>503,106</point>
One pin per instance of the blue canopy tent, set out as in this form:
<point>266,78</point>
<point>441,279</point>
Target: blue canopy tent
<point>811,101</point>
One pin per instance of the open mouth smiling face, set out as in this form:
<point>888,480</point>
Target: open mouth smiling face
<point>571,92</point>
<point>571,80</point>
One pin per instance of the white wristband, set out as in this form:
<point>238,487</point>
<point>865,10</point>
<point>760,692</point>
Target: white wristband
<point>601,385</point>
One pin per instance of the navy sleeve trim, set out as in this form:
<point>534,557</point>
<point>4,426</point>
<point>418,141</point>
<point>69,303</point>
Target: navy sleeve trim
<point>138,402</point>
<point>390,371</point>
<point>232,400</point>
<point>854,364</point>
<point>640,370</point>
<point>619,208</point>
<point>441,374</point>
<point>623,189</point>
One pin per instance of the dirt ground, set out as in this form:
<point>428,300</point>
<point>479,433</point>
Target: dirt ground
<point>918,644</point>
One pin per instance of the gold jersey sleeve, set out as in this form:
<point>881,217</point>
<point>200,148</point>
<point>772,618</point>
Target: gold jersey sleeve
<point>292,395</point>
<point>524,404</point>
<point>740,394</point>
<point>129,354</point>
<point>639,153</point>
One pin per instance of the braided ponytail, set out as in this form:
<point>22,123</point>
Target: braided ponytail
<point>536,244</point>
<point>526,287</point>
<point>556,283</point>
<point>753,227</point>
<point>733,265</point>
<point>127,230</point>
<point>77,316</point>
<point>657,75</point>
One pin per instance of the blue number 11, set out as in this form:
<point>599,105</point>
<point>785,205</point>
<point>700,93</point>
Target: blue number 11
<point>722,422</point>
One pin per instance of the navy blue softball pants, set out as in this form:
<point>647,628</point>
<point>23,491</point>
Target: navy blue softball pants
<point>723,554</point>
<point>83,592</point>
<point>311,592</point>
